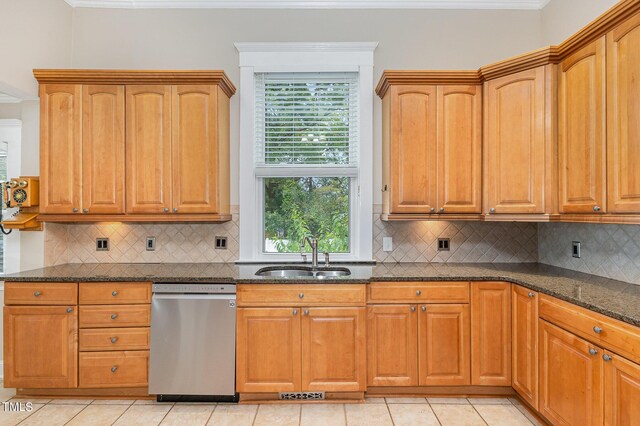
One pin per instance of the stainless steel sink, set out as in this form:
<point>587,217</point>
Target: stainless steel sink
<point>302,272</point>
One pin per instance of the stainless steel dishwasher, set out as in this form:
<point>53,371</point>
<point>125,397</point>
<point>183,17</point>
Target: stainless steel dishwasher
<point>193,342</point>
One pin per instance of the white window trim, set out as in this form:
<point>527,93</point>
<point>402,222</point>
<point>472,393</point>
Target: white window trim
<point>11,132</point>
<point>304,57</point>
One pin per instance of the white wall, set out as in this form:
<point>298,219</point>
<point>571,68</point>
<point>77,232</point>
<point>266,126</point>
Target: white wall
<point>563,18</point>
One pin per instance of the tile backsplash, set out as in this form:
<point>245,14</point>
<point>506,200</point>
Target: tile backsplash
<point>611,251</point>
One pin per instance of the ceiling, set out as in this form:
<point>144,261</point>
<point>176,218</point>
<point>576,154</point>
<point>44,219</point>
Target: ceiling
<point>312,4</point>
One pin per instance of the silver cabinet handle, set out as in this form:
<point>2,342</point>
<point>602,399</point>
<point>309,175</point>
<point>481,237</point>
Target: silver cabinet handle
<point>114,339</point>
<point>418,292</point>
<point>37,294</point>
<point>114,293</point>
<point>75,210</point>
<point>175,210</point>
<point>295,312</point>
<point>413,309</point>
<point>69,310</point>
<point>596,208</point>
<point>424,308</point>
<point>593,351</point>
<point>306,312</point>
<point>300,295</point>
<point>441,209</point>
<point>597,329</point>
<point>607,357</point>
<point>492,210</point>
<point>531,294</point>
<point>114,316</point>
<point>85,210</point>
<point>166,209</point>
<point>432,210</point>
<point>114,368</point>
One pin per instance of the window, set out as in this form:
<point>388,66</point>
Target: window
<point>10,155</point>
<point>306,125</point>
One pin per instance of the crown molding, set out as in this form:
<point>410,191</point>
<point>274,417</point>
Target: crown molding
<point>311,4</point>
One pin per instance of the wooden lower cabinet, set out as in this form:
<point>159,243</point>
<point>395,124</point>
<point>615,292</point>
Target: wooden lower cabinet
<point>571,378</point>
<point>524,344</point>
<point>114,369</point>
<point>621,390</point>
<point>444,352</point>
<point>40,347</point>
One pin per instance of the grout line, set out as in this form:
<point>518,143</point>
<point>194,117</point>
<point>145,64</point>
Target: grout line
<point>255,416</point>
<point>166,414</point>
<point>211,414</point>
<point>434,412</point>
<point>476,410</point>
<point>389,411</point>
<point>76,415</point>
<point>32,413</point>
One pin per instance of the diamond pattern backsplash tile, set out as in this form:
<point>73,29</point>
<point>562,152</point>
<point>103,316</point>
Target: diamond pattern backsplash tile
<point>611,251</point>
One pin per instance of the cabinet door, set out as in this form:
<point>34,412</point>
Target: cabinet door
<point>623,110</point>
<point>524,343</point>
<point>102,149</point>
<point>515,143</point>
<point>60,148</point>
<point>392,345</point>
<point>40,347</point>
<point>581,130</point>
<point>621,391</point>
<point>194,148</point>
<point>148,147</point>
<point>268,350</point>
<point>444,345</point>
<point>413,149</point>
<point>571,375</point>
<point>491,333</point>
<point>334,352</point>
<point>459,149</point>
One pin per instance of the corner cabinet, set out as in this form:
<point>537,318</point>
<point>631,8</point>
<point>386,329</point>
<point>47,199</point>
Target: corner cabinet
<point>116,148</point>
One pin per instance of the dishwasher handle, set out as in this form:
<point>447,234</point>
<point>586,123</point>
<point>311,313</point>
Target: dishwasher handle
<point>192,296</point>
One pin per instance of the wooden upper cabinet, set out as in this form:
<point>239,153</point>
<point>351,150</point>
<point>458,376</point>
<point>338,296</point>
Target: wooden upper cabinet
<point>60,148</point>
<point>103,174</point>
<point>459,135</point>
<point>268,357</point>
<point>518,154</point>
<point>582,130</point>
<point>491,333</point>
<point>40,347</point>
<point>148,145</point>
<point>194,149</point>
<point>412,148</point>
<point>621,390</point>
<point>334,349</point>
<point>623,110</point>
<point>443,345</point>
<point>571,376</point>
<point>524,343</point>
<point>392,336</point>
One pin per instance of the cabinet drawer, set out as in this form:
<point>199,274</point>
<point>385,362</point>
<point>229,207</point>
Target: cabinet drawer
<point>115,316</point>
<point>419,292</point>
<point>301,295</point>
<point>621,338</point>
<point>114,369</point>
<point>114,339</point>
<point>40,293</point>
<point>114,293</point>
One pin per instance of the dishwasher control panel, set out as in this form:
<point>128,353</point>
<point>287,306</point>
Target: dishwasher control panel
<point>194,288</point>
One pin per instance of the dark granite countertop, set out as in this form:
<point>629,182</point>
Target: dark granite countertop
<point>613,298</point>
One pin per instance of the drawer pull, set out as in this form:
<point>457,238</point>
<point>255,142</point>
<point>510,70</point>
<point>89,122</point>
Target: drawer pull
<point>306,312</point>
<point>114,339</point>
<point>531,294</point>
<point>114,368</point>
<point>69,310</point>
<point>597,329</point>
<point>114,293</point>
<point>424,308</point>
<point>593,351</point>
<point>413,309</point>
<point>37,294</point>
<point>418,292</point>
<point>607,357</point>
<point>295,312</point>
<point>300,295</point>
<point>114,316</point>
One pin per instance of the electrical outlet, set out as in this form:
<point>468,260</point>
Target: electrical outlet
<point>102,244</point>
<point>575,249</point>
<point>221,243</point>
<point>151,244</point>
<point>443,244</point>
<point>387,243</point>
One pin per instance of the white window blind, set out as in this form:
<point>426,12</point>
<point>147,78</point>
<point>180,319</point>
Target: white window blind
<point>306,121</point>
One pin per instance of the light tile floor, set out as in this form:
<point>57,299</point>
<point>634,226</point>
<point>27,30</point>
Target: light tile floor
<point>376,411</point>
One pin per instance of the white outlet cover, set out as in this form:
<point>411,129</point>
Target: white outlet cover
<point>387,244</point>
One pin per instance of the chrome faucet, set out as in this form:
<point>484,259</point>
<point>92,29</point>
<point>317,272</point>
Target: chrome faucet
<point>313,242</point>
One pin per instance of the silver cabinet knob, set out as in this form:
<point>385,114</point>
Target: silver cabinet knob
<point>441,209</point>
<point>166,209</point>
<point>69,310</point>
<point>85,210</point>
<point>114,293</point>
<point>418,292</point>
<point>531,294</point>
<point>596,208</point>
<point>597,330</point>
<point>607,357</point>
<point>175,210</point>
<point>593,351</point>
<point>306,312</point>
<point>413,309</point>
<point>114,368</point>
<point>424,308</point>
<point>37,294</point>
<point>432,210</point>
<point>114,339</point>
<point>114,316</point>
<point>300,295</point>
<point>295,312</point>
<point>492,210</point>
<point>75,210</point>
